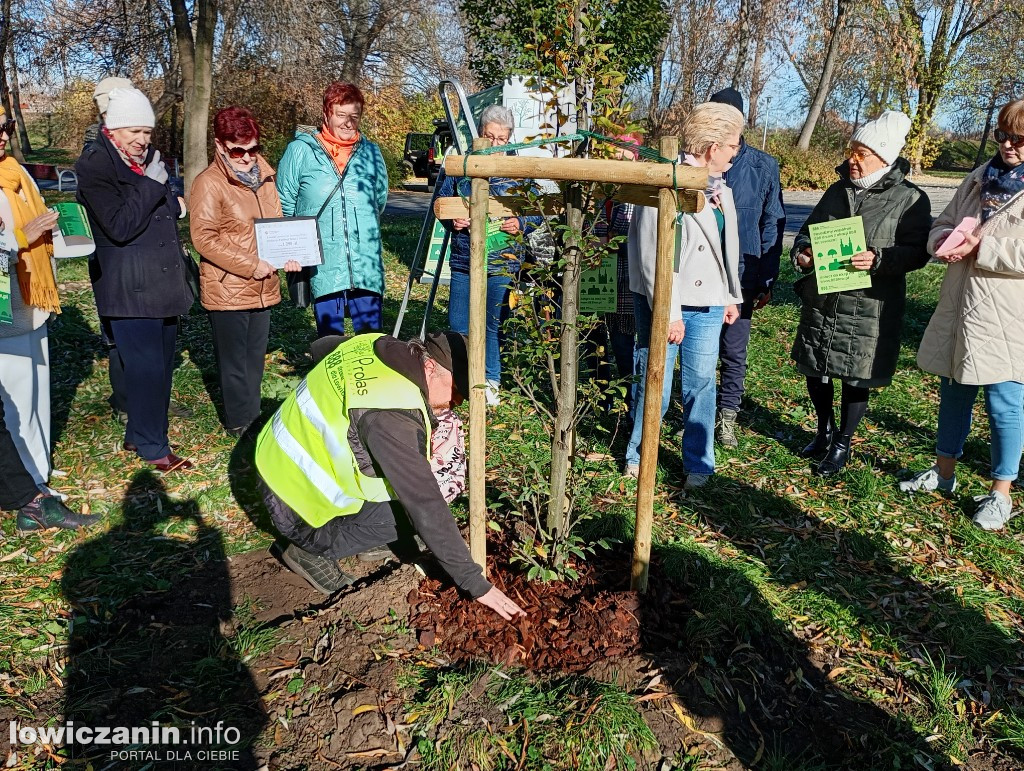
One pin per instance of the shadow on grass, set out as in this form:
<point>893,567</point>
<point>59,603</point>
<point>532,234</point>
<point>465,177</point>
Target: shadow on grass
<point>758,681</point>
<point>151,607</point>
<point>73,349</point>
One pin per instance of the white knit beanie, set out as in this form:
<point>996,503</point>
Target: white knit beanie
<point>101,94</point>
<point>885,135</point>
<point>129,108</point>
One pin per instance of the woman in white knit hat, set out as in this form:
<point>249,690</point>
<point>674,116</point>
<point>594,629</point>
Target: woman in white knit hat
<point>138,272</point>
<point>854,335</point>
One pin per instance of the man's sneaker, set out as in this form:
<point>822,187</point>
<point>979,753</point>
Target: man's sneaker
<point>928,480</point>
<point>725,428</point>
<point>47,511</point>
<point>632,472</point>
<point>994,511</point>
<point>384,552</point>
<point>693,481</point>
<point>322,573</point>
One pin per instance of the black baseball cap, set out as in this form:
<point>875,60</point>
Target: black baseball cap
<point>449,349</point>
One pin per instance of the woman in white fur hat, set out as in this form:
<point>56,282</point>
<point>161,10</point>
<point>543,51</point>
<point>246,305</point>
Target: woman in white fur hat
<point>139,273</point>
<point>854,335</point>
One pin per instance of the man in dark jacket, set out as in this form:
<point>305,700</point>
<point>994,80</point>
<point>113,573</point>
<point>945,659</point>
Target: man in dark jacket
<point>351,442</point>
<point>761,218</point>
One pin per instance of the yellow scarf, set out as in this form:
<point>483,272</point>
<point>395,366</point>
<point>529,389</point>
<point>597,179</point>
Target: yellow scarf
<point>35,271</point>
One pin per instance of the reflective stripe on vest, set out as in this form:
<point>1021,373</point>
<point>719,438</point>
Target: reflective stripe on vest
<point>303,454</point>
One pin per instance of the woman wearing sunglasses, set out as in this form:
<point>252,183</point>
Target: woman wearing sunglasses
<point>235,285</point>
<point>976,336</point>
<point>854,335</point>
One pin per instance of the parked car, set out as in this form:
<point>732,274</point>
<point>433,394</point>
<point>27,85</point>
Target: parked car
<point>440,141</point>
<point>417,149</point>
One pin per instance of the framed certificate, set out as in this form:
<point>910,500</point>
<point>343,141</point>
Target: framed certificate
<point>280,239</point>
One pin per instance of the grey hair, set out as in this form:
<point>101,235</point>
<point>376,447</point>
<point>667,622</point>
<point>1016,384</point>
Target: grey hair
<point>496,113</point>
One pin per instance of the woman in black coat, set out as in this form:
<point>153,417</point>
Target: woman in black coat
<point>138,272</point>
<point>854,335</point>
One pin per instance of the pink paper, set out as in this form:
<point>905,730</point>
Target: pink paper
<point>958,236</point>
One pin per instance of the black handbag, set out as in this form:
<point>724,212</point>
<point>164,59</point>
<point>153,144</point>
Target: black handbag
<point>299,288</point>
<point>191,272</point>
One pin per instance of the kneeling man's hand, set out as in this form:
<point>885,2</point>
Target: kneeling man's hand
<point>496,600</point>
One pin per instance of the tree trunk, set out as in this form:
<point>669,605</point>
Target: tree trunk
<point>5,92</point>
<point>657,78</point>
<point>756,82</point>
<point>821,93</point>
<point>195,54</point>
<point>26,143</point>
<point>743,43</point>
<point>982,156</point>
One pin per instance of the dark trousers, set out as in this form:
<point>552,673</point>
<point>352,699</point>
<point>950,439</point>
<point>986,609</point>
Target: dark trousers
<point>732,354</point>
<point>240,347</point>
<point>17,488</point>
<point>365,308</point>
<point>146,347</point>
<point>373,525</point>
<point>115,367</point>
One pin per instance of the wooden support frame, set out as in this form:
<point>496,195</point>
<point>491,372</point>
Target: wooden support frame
<point>551,205</point>
<point>643,183</point>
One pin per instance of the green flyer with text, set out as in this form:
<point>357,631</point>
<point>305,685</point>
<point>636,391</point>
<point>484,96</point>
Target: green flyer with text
<point>599,287</point>
<point>834,244</point>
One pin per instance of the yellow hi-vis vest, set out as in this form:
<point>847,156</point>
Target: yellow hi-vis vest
<point>303,453</point>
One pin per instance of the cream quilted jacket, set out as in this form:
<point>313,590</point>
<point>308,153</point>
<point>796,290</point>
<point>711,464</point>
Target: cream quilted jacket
<point>976,334</point>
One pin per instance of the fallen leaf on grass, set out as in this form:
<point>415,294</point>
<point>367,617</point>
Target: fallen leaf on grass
<point>370,754</point>
<point>836,672</point>
<point>652,696</point>
<point>365,708</point>
<point>13,555</point>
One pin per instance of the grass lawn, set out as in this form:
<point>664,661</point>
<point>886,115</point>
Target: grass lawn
<point>899,607</point>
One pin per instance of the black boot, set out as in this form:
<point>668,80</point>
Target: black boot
<point>46,511</point>
<point>822,441</point>
<point>838,454</point>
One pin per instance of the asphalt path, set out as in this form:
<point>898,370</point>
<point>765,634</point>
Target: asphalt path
<point>414,201</point>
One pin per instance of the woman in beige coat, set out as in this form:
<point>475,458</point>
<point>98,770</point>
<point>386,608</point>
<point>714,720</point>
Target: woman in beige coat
<point>976,336</point>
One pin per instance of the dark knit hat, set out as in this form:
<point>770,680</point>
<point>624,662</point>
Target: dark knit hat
<point>449,349</point>
<point>729,96</point>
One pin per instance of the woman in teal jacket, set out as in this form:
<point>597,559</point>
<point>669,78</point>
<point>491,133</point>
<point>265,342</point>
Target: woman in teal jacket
<point>339,176</point>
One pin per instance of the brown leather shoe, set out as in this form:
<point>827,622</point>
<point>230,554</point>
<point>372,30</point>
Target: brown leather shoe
<point>171,462</point>
<point>129,447</point>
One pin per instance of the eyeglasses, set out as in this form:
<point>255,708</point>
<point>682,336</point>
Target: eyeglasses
<point>1016,140</point>
<point>858,155</point>
<point>8,128</point>
<point>240,152</point>
<point>498,139</point>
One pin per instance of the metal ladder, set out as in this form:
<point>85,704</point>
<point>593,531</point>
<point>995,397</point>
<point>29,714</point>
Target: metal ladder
<point>417,269</point>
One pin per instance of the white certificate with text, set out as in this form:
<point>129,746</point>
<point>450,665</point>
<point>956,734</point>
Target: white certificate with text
<point>280,239</point>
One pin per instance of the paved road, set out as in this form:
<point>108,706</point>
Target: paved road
<point>798,203</point>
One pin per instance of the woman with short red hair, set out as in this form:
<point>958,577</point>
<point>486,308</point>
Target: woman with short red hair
<point>338,176</point>
<point>235,285</point>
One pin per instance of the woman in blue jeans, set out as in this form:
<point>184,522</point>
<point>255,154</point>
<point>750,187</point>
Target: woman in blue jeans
<point>975,338</point>
<point>705,290</point>
<point>503,253</point>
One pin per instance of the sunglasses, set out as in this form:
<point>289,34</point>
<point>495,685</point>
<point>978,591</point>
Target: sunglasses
<point>8,128</point>
<point>240,152</point>
<point>1014,139</point>
<point>858,155</point>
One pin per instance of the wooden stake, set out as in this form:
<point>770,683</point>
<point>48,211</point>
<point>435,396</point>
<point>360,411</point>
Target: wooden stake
<point>656,374</point>
<point>477,366</point>
<point>577,170</point>
<point>551,205</point>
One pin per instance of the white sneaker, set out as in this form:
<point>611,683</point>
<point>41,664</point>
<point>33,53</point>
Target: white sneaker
<point>492,393</point>
<point>994,511</point>
<point>693,481</point>
<point>928,480</point>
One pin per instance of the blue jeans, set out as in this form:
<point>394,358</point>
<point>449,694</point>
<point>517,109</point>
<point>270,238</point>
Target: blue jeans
<point>365,308</point>
<point>1004,403</point>
<point>698,357</point>
<point>497,312</point>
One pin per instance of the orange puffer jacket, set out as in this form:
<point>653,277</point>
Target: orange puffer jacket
<point>221,212</point>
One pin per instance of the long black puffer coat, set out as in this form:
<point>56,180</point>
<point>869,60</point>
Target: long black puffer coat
<point>856,334</point>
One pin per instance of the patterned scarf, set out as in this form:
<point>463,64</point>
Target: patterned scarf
<point>999,184</point>
<point>35,271</point>
<point>136,164</point>
<point>250,178</point>
<point>715,184</point>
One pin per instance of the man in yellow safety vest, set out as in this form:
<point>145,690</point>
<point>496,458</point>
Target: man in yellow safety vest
<point>354,440</point>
